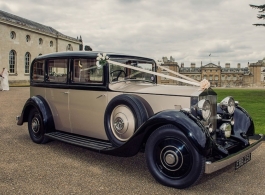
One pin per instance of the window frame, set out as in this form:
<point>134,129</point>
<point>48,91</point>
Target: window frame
<point>31,71</point>
<point>12,61</point>
<point>40,41</point>
<point>71,79</point>
<point>27,38</point>
<point>27,62</point>
<point>13,35</point>
<point>47,71</point>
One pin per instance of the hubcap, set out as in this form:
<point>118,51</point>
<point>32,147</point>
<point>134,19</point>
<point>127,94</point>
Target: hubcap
<point>122,123</point>
<point>118,124</point>
<point>173,158</point>
<point>35,125</point>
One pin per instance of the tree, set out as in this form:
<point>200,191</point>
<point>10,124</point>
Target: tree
<point>260,16</point>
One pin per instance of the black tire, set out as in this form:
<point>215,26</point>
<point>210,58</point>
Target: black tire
<point>172,159</point>
<point>36,127</point>
<point>124,114</point>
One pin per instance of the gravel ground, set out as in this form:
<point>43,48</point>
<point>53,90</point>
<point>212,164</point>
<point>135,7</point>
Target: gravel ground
<point>60,168</point>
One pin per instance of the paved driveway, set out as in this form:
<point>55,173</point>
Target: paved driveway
<point>59,168</point>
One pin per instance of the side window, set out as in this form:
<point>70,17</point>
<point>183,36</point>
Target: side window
<point>57,71</point>
<point>86,71</point>
<point>38,71</point>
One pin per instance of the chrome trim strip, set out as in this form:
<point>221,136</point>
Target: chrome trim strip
<point>212,167</point>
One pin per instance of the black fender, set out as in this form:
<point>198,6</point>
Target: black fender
<point>188,124</point>
<point>42,106</point>
<point>243,126</point>
<point>246,124</point>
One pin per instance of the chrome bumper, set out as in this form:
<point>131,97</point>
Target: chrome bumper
<point>211,167</point>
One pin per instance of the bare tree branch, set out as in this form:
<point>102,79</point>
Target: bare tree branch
<point>260,16</point>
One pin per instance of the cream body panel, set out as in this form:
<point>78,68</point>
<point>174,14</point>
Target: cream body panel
<point>87,110</point>
<point>161,102</point>
<point>38,91</point>
<point>58,102</point>
<point>140,87</point>
<point>159,97</point>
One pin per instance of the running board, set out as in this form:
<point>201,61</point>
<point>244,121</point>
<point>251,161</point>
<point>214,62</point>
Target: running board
<point>80,141</point>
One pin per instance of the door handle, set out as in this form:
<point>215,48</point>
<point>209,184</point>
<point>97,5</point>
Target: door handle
<point>65,92</point>
<point>101,96</point>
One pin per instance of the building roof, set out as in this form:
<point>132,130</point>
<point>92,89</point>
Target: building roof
<point>211,65</point>
<point>31,24</point>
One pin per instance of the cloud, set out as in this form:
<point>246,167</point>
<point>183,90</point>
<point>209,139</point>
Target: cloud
<point>186,30</point>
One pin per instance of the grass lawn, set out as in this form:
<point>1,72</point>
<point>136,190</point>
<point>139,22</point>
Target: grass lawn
<point>253,100</point>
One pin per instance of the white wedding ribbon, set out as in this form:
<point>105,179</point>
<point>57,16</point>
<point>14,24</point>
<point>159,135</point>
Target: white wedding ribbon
<point>204,84</point>
<point>154,73</point>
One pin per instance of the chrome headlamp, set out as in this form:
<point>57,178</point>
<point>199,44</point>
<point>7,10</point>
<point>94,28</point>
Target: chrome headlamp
<point>204,109</point>
<point>228,105</point>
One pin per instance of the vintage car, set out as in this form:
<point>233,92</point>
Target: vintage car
<point>111,103</point>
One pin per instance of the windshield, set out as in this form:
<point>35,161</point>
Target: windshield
<point>119,73</point>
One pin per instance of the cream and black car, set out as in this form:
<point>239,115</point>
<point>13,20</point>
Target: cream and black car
<point>121,110</point>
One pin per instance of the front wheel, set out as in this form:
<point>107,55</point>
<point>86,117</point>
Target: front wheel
<point>36,127</point>
<point>172,159</point>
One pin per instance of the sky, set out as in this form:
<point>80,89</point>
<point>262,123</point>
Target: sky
<point>191,31</point>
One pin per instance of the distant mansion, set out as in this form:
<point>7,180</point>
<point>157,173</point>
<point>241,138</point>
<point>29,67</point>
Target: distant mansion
<point>21,40</point>
<point>251,76</point>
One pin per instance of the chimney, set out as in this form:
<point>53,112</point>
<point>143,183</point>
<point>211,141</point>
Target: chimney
<point>192,65</point>
<point>182,65</point>
<point>238,65</point>
<point>227,65</point>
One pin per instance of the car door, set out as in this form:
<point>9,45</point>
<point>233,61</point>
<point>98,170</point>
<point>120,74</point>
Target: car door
<point>87,99</point>
<point>58,93</point>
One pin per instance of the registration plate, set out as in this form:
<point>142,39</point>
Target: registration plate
<point>239,163</point>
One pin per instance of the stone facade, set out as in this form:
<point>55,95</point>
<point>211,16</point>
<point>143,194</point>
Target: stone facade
<point>22,40</point>
<point>251,76</point>
<point>258,70</point>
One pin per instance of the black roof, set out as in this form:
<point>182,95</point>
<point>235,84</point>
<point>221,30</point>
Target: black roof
<point>92,54</point>
<point>30,24</point>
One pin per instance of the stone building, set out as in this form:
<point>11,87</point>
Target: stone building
<point>21,40</point>
<point>172,65</point>
<point>258,70</point>
<point>252,75</point>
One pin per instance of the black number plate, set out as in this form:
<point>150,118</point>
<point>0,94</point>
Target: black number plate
<point>239,163</point>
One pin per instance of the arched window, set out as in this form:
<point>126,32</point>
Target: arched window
<point>27,38</point>
<point>69,47</point>
<point>12,61</point>
<point>51,43</point>
<point>40,41</point>
<point>27,62</point>
<point>12,35</point>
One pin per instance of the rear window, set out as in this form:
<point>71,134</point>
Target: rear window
<point>38,71</point>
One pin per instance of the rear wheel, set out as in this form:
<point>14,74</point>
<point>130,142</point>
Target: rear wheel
<point>171,158</point>
<point>36,127</point>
